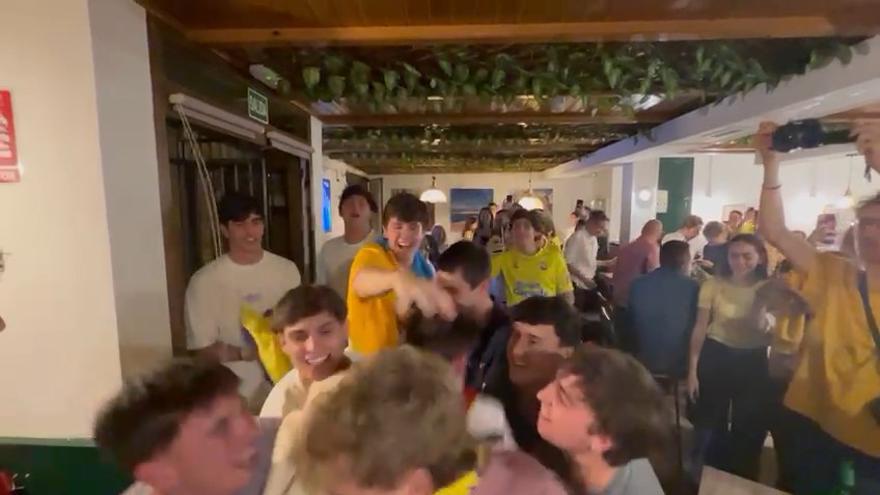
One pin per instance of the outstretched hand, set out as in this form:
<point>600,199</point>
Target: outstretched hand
<point>426,295</point>
<point>762,141</point>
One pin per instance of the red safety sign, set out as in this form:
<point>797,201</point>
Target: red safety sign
<point>9,171</point>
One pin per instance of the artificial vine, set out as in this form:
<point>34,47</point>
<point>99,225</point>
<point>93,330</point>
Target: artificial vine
<point>601,75</point>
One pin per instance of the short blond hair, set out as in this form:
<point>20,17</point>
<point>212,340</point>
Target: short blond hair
<point>399,411</point>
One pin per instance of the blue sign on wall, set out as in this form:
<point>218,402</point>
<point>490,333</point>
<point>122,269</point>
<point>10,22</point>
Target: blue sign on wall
<point>326,219</point>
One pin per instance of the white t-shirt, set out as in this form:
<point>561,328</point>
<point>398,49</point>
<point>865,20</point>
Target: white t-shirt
<point>217,291</point>
<point>334,263</point>
<point>697,244</point>
<point>581,251</point>
<point>674,236</point>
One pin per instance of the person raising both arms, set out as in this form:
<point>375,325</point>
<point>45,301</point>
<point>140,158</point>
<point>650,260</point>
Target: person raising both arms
<point>835,391</point>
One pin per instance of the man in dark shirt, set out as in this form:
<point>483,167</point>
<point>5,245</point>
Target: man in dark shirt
<point>463,270</point>
<point>662,307</point>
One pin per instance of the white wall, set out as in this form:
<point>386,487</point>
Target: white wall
<point>810,187</point>
<point>566,192</point>
<point>131,182</point>
<point>85,277</point>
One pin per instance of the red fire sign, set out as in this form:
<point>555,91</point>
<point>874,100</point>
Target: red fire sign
<point>8,154</point>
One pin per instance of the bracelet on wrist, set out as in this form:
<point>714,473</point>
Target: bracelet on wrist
<point>773,188</point>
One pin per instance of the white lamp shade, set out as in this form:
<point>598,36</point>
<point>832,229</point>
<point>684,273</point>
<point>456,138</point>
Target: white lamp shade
<point>531,202</point>
<point>433,195</point>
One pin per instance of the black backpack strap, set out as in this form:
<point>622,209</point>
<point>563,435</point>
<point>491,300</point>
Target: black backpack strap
<point>869,314</point>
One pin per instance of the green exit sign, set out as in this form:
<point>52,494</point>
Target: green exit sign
<point>258,106</point>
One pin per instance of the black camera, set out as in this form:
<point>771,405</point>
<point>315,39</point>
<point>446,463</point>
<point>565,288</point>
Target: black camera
<point>806,134</point>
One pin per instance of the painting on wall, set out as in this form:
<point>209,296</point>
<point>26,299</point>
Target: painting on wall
<point>326,217</point>
<point>466,203</point>
<point>545,194</point>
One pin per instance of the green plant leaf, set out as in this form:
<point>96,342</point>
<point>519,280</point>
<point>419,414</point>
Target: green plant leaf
<point>410,69</point>
<point>359,72</point>
<point>844,54</point>
<point>402,93</point>
<point>391,79</point>
<point>462,72</point>
<point>469,90</point>
<point>498,77</point>
<point>481,75</point>
<point>334,64</point>
<point>445,66</point>
<point>311,77</point>
<point>410,80</point>
<point>575,90</point>
<point>537,87</point>
<point>670,81</point>
<point>379,91</point>
<point>337,86</point>
<point>725,79</point>
<point>614,77</point>
<point>362,89</point>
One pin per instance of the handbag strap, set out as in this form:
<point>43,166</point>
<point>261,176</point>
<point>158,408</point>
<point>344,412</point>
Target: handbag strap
<point>869,314</point>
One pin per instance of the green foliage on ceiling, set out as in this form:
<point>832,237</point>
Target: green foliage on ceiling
<point>603,75</point>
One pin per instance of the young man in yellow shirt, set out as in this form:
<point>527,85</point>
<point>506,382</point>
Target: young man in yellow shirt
<point>834,395</point>
<point>527,269</point>
<point>389,275</point>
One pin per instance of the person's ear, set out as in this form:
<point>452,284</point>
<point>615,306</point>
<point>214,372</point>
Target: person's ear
<point>417,482</point>
<point>157,473</point>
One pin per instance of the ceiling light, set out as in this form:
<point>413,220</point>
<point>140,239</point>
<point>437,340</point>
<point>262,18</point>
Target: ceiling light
<point>433,195</point>
<point>530,201</point>
<point>265,75</point>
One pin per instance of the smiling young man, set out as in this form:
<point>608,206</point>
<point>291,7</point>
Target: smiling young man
<point>356,207</point>
<point>184,430</point>
<point>607,414</point>
<point>309,323</point>
<point>528,269</point>
<point>390,275</point>
<point>246,275</point>
<point>544,333</point>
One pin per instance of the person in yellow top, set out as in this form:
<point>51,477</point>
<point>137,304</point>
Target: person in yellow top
<point>728,363</point>
<point>750,223</point>
<point>527,269</point>
<point>389,275</point>
<point>836,384</point>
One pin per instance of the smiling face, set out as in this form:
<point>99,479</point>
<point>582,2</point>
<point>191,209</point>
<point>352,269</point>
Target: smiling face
<point>404,238</point>
<point>534,353</point>
<point>316,345</point>
<point>214,452</point>
<point>245,236</point>
<point>566,420</point>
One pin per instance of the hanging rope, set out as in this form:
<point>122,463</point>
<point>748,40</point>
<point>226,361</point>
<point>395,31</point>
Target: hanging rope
<point>204,182</point>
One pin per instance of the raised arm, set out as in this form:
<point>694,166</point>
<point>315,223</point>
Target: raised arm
<point>772,213</point>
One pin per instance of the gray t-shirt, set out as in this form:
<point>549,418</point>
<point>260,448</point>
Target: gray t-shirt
<point>633,478</point>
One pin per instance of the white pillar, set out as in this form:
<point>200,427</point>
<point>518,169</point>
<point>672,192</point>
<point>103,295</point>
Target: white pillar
<point>84,294</point>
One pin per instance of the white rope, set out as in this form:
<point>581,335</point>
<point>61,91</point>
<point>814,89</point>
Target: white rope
<point>205,182</point>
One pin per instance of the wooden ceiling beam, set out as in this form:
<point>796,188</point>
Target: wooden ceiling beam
<point>646,30</point>
<point>403,120</point>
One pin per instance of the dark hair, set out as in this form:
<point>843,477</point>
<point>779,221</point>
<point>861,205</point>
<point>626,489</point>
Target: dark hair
<point>626,401</point>
<point>761,271</point>
<point>548,228</point>
<point>509,197</point>
<point>521,214</point>
<point>358,190</point>
<point>579,202</point>
<point>713,229</point>
<point>735,211</point>
<point>598,216</point>
<point>144,418</point>
<point>407,208</point>
<point>675,254</point>
<point>554,311</point>
<point>236,207</point>
<point>471,259</point>
<point>692,221</point>
<point>492,203</point>
<point>305,301</point>
<point>449,339</point>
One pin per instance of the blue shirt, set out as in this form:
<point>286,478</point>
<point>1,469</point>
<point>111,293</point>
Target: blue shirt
<point>662,310</point>
<point>421,267</point>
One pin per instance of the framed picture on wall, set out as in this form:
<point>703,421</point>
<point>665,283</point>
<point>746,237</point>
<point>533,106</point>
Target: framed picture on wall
<point>326,217</point>
<point>466,203</point>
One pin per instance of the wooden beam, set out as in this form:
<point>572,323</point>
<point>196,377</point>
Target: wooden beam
<point>403,120</point>
<point>646,30</point>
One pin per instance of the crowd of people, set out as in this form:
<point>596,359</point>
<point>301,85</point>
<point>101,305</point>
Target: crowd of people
<point>474,368</point>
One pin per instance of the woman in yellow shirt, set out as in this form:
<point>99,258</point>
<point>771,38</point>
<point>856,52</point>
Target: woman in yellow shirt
<point>837,378</point>
<point>727,376</point>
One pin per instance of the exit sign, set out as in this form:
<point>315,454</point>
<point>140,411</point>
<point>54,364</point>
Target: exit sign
<point>258,106</point>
